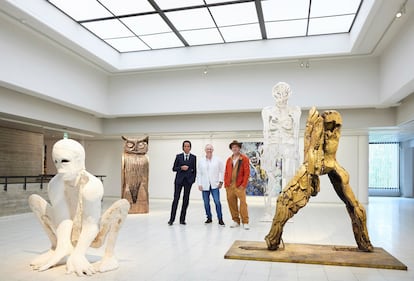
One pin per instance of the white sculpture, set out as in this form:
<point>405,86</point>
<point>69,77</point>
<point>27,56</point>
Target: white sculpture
<point>280,156</point>
<point>73,220</point>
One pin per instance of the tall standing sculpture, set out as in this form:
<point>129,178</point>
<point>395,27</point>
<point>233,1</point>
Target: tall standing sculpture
<point>73,220</point>
<point>320,145</point>
<point>135,170</point>
<point>280,156</point>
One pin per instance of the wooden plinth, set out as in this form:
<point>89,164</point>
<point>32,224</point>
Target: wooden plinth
<point>314,254</point>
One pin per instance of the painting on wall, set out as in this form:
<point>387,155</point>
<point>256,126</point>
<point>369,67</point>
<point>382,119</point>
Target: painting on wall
<point>258,178</point>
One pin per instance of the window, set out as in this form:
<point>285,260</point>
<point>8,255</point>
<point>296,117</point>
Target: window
<point>384,166</point>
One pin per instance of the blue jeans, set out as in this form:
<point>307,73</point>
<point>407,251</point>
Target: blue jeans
<point>216,197</point>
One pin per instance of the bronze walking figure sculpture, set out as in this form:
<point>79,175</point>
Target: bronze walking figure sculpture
<point>321,141</point>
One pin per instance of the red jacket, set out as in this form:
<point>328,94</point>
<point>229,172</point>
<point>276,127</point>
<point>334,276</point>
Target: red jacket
<point>243,172</point>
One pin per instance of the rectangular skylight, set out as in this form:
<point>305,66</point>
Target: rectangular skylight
<point>159,24</point>
<point>146,24</point>
<point>126,7</point>
<point>162,41</point>
<point>234,14</point>
<point>82,9</point>
<point>329,25</point>
<point>191,19</point>
<point>241,32</point>
<point>282,29</point>
<point>128,44</point>
<point>275,10</point>
<point>108,28</point>
<point>202,36</point>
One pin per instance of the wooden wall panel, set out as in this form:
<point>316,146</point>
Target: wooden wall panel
<point>21,153</point>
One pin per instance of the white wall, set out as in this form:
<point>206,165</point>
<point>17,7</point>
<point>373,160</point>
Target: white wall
<point>407,169</point>
<point>343,83</point>
<point>39,67</point>
<point>397,65</point>
<point>41,112</point>
<point>104,158</point>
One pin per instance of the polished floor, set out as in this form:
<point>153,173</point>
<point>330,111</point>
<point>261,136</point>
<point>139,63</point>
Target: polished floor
<point>149,249</point>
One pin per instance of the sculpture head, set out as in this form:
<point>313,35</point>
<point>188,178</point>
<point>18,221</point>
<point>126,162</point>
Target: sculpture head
<point>135,146</point>
<point>69,158</point>
<point>281,92</point>
<point>332,120</point>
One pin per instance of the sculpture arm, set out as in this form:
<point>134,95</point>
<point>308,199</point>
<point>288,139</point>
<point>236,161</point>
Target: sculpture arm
<point>314,138</point>
<point>265,120</point>
<point>92,194</point>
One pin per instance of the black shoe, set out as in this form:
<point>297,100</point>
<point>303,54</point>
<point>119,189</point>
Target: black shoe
<point>170,223</point>
<point>208,221</point>
<point>221,222</point>
<point>182,222</point>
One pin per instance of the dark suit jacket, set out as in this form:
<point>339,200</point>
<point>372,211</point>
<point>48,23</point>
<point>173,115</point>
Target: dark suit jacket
<point>190,174</point>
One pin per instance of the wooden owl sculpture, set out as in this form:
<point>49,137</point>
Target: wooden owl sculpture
<point>135,169</point>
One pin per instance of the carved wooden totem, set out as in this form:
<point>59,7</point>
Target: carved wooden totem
<point>135,168</point>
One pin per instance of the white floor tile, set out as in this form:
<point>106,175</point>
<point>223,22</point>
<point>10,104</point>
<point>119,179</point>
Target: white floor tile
<point>149,249</point>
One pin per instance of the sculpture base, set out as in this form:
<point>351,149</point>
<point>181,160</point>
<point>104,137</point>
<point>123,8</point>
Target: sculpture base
<point>139,208</point>
<point>314,254</point>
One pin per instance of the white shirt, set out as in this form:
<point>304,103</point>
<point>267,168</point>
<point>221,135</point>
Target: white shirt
<point>210,172</point>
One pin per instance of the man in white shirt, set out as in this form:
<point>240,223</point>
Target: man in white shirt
<point>210,173</point>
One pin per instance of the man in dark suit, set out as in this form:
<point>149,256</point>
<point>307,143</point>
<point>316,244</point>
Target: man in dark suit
<point>185,167</point>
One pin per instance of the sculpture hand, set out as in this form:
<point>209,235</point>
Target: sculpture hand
<point>80,265</point>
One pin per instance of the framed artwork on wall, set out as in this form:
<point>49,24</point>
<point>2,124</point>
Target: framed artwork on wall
<point>258,177</point>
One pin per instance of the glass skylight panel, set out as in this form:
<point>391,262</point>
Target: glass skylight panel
<point>321,8</point>
<point>202,36</point>
<point>329,25</point>
<point>241,32</point>
<point>126,7</point>
<point>216,1</point>
<point>82,9</point>
<point>282,29</point>
<point>172,4</point>
<point>108,29</point>
<point>162,41</point>
<point>200,24</point>
<point>275,10</point>
<point>234,14</point>
<point>128,44</point>
<point>146,24</point>
<point>191,19</point>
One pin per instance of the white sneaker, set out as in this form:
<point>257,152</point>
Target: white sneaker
<point>246,226</point>
<point>234,224</point>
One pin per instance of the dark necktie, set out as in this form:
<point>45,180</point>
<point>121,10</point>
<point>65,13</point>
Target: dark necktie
<point>186,157</point>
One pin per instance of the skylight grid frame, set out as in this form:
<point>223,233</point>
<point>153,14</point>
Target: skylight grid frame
<point>261,26</point>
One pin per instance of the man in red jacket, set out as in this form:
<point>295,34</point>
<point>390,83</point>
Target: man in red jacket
<point>236,177</point>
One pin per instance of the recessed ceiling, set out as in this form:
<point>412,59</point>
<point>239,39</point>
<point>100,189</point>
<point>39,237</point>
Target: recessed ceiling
<point>132,26</point>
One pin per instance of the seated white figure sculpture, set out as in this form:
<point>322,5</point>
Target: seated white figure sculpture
<point>280,156</point>
<point>73,220</point>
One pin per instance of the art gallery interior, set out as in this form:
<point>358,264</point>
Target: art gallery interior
<point>203,70</point>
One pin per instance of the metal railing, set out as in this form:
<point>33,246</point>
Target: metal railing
<point>41,179</point>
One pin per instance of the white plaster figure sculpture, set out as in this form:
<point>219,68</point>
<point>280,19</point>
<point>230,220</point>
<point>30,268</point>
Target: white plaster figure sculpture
<point>73,220</point>
<point>280,156</point>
